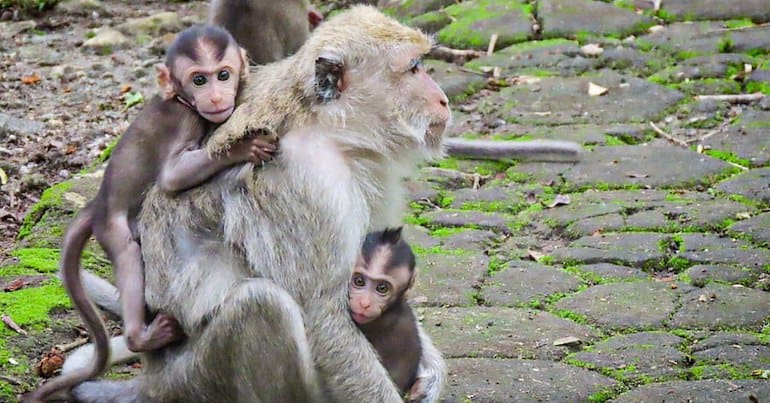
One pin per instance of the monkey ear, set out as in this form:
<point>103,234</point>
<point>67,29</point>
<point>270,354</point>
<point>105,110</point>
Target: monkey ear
<point>314,17</point>
<point>392,235</point>
<point>164,81</point>
<point>329,73</point>
<point>244,63</point>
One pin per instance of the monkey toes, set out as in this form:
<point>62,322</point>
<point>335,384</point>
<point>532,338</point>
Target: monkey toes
<point>163,330</point>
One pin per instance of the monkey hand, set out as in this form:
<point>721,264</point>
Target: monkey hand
<point>416,394</point>
<point>254,148</point>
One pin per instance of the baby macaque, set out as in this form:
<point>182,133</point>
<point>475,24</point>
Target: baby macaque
<point>199,83</point>
<point>384,272</point>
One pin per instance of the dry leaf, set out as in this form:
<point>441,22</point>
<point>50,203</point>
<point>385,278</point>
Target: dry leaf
<point>559,200</point>
<point>567,341</point>
<point>743,215</point>
<point>3,177</point>
<point>674,286</point>
<point>655,28</point>
<point>51,363</point>
<point>703,298</point>
<point>15,285</point>
<point>125,88</point>
<point>33,78</point>
<point>637,175</point>
<point>596,90</point>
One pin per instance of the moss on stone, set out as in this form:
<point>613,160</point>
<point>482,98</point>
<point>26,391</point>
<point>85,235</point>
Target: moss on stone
<point>461,33</point>
<point>51,197</point>
<point>30,307</point>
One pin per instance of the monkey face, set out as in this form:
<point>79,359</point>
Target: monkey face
<point>210,85</point>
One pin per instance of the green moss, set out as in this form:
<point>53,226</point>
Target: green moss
<point>43,260</point>
<point>28,5</point>
<point>444,232</point>
<point>438,250</point>
<point>463,33</point>
<point>50,198</point>
<point>448,163</point>
<point>666,16</point>
<point>613,141</point>
<point>688,54</point>
<point>586,277</point>
<point>725,44</point>
<point>742,23</point>
<point>495,265</point>
<point>445,199</point>
<point>573,316</point>
<point>603,395</point>
<point>29,307</point>
<point>728,156</point>
<point>758,86</point>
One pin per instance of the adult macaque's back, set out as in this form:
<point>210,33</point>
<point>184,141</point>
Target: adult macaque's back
<point>269,30</point>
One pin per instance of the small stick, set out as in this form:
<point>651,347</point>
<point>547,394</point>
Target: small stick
<point>71,346</point>
<point>732,98</point>
<point>8,321</point>
<point>454,55</point>
<point>10,379</point>
<point>492,43</point>
<point>705,136</point>
<point>668,136</point>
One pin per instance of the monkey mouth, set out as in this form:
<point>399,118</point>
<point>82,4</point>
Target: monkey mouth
<point>220,115</point>
<point>359,317</point>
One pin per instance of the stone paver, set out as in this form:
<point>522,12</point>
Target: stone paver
<point>520,282</point>
<point>501,332</point>
<point>652,284</point>
<point>636,305</point>
<point>512,380</point>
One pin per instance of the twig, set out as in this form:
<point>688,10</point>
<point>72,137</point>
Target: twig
<point>705,136</point>
<point>71,346</point>
<point>8,321</point>
<point>10,379</point>
<point>492,43</point>
<point>455,55</point>
<point>668,136</point>
<point>476,180</point>
<point>741,167</point>
<point>746,28</point>
<point>732,98</point>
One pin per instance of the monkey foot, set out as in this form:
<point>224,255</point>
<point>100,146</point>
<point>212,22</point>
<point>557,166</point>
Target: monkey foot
<point>162,331</point>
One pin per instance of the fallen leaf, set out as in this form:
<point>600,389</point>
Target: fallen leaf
<point>703,298</point>
<point>15,285</point>
<point>125,88</point>
<point>33,78</point>
<point>596,90</point>
<point>560,199</point>
<point>132,98</point>
<point>3,177</point>
<point>567,341</point>
<point>674,286</point>
<point>51,363</point>
<point>637,175</point>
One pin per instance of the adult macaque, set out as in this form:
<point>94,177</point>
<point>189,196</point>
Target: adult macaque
<point>255,265</point>
<point>199,81</point>
<point>383,274</point>
<point>269,29</point>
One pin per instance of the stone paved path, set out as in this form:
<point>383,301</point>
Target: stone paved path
<point>658,268</point>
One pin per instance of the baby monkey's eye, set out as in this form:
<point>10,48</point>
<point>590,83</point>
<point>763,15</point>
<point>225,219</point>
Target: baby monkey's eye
<point>199,80</point>
<point>223,75</point>
<point>383,288</point>
<point>415,65</point>
<point>358,281</point>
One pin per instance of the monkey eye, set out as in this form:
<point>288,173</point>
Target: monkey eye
<point>383,288</point>
<point>223,75</point>
<point>358,280</point>
<point>199,79</point>
<point>415,65</point>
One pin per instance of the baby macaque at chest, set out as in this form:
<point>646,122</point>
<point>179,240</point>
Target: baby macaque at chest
<point>384,272</point>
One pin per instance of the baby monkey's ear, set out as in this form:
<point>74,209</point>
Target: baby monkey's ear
<point>164,81</point>
<point>244,63</point>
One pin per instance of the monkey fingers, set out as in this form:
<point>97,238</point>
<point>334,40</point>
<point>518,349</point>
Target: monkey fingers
<point>262,150</point>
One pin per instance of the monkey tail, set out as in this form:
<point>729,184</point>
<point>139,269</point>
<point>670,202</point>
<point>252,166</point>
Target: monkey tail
<point>543,150</point>
<point>72,249</point>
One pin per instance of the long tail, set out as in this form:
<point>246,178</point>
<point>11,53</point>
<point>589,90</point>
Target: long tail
<point>72,249</point>
<point>542,150</point>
